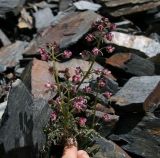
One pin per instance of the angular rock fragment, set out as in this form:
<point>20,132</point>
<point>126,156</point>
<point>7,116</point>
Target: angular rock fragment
<point>141,43</point>
<point>64,4</point>
<point>10,6</point>
<point>2,108</point>
<point>35,76</point>
<point>11,54</point>
<point>4,39</point>
<point>131,97</point>
<point>84,5</point>
<point>43,18</point>
<point>132,64</point>
<point>67,32</point>
<point>21,129</point>
<point>73,63</point>
<point>143,140</point>
<point>125,7</point>
<point>152,102</point>
<point>108,149</point>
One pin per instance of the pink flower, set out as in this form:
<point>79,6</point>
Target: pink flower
<point>100,27</point>
<point>101,83</point>
<point>82,121</point>
<point>67,54</point>
<point>53,116</point>
<point>107,95</point>
<point>110,49</point>
<point>96,52</point>
<point>89,37</point>
<point>80,103</point>
<point>106,72</point>
<point>113,27</point>
<point>106,117</point>
<point>44,54</point>
<point>49,85</point>
<point>108,36</point>
<point>87,89</point>
<point>76,79</point>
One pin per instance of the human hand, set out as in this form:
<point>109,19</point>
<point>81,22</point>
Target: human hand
<point>71,151</point>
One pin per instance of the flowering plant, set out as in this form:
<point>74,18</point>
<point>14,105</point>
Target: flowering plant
<point>73,111</point>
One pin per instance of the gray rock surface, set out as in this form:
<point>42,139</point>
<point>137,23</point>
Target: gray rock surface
<point>10,6</point>
<point>144,44</point>
<point>43,18</point>
<point>21,129</point>
<point>2,108</point>
<point>143,140</point>
<point>132,64</point>
<point>4,39</point>
<point>11,54</point>
<point>108,149</point>
<point>132,96</point>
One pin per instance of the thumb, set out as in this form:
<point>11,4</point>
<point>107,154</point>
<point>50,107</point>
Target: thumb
<point>70,150</point>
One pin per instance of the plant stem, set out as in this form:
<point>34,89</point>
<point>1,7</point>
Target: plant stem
<point>94,110</point>
<point>87,73</point>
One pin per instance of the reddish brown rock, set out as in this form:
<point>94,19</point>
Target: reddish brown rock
<point>36,76</point>
<point>152,102</point>
<point>68,31</point>
<point>132,64</point>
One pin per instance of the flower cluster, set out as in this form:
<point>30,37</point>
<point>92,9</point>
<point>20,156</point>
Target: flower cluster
<point>79,103</point>
<point>71,103</point>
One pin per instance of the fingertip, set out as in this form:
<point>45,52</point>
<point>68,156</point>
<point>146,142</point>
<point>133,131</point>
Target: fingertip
<point>82,154</point>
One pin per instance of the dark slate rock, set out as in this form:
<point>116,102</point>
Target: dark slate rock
<point>21,130</point>
<point>132,96</point>
<point>10,6</point>
<point>143,140</point>
<point>108,149</point>
<point>132,64</point>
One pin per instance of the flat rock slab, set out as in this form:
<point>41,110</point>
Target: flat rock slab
<point>132,64</point>
<point>132,96</point>
<point>73,63</point>
<point>21,129</point>
<point>152,102</point>
<point>108,149</point>
<point>4,39</point>
<point>143,140</point>
<point>47,16</point>
<point>84,5</point>
<point>35,76</point>
<point>11,54</point>
<point>10,6</point>
<point>67,32</point>
<point>118,8</point>
<point>141,43</point>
